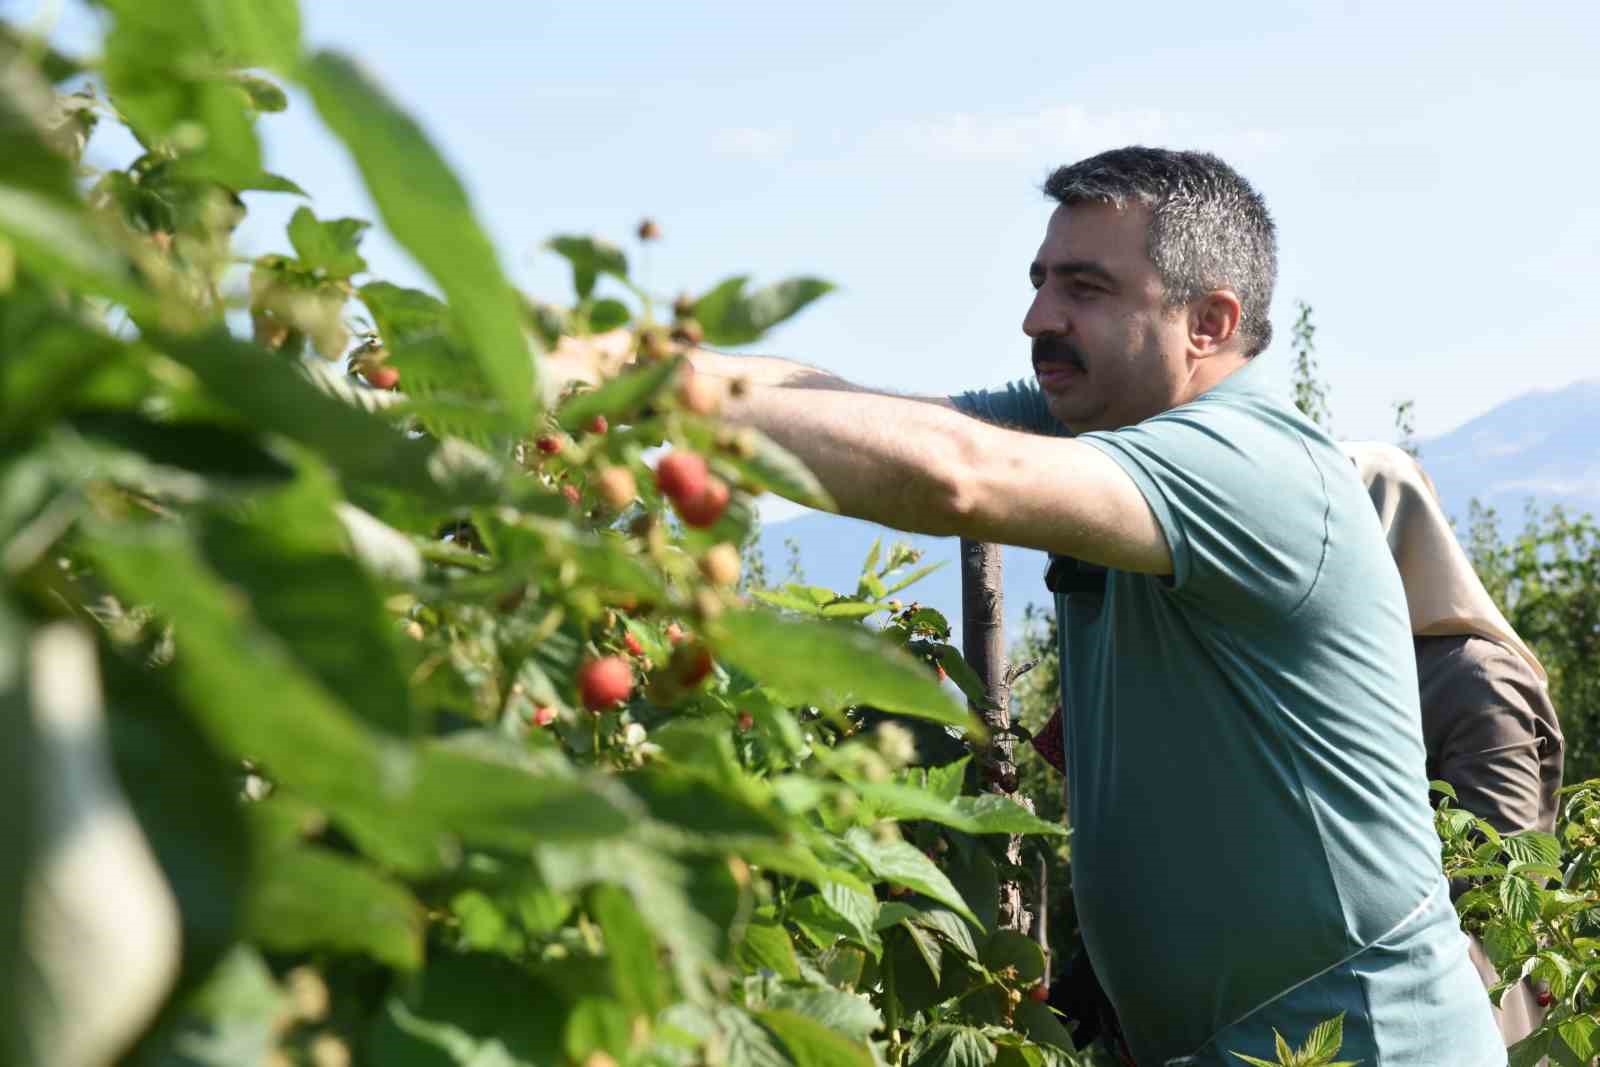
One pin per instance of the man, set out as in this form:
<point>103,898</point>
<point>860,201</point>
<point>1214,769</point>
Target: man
<point>1241,697</point>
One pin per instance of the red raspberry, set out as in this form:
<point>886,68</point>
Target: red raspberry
<point>543,716</point>
<point>1544,998</point>
<point>704,510</point>
<point>605,681</point>
<point>1040,992</point>
<point>690,665</point>
<point>570,491</point>
<point>631,643</point>
<point>548,443</point>
<point>598,424</point>
<point>675,634</point>
<point>682,476</point>
<point>382,377</point>
<point>746,721</point>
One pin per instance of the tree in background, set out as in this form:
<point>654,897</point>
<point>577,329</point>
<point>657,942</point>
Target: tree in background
<point>1309,390</point>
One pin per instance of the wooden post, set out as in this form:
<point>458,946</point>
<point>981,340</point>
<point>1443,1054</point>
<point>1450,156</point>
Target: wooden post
<point>983,642</point>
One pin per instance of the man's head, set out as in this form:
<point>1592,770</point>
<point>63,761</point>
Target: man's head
<point>1153,283</point>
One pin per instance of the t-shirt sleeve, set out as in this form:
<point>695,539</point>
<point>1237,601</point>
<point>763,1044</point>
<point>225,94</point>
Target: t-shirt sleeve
<point>1019,405</point>
<point>1241,500</point>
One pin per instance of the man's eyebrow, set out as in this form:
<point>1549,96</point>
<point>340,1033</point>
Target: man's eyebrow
<point>1081,267</point>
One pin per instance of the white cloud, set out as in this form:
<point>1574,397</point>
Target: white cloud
<point>753,142</point>
<point>1065,131</point>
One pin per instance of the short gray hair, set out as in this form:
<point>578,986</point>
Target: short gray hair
<point>1209,229</point>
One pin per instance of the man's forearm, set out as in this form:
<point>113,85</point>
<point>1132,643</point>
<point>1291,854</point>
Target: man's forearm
<point>771,371</point>
<point>876,454</point>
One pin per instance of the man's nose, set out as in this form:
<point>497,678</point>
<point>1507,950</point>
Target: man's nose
<point>1040,318</point>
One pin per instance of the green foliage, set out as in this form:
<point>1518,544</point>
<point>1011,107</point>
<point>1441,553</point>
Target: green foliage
<point>1309,392</point>
<point>1320,1046</point>
<point>1547,581</point>
<point>341,628</point>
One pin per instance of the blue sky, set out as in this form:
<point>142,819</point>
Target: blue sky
<point>1430,165</point>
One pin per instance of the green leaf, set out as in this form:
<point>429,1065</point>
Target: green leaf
<point>452,1021</point>
<point>903,864</point>
<point>631,950</point>
<point>850,1014</point>
<point>264,95</point>
<point>607,315</point>
<point>946,782</point>
<point>744,1040</point>
<point>590,257</point>
<point>426,209</point>
<point>767,945</point>
<point>1325,1038</point>
<point>269,393</point>
<point>1439,785</point>
<point>620,398</point>
<point>811,1044</point>
<point>986,814</point>
<point>1043,1025</point>
<point>233,1018</point>
<point>310,898</point>
<point>949,926</point>
<point>1532,847</point>
<point>729,316</point>
<point>1532,1049</point>
<point>226,454</point>
<point>953,1046</point>
<point>784,652</point>
<point>1520,899</point>
<point>327,246</point>
<point>913,578</point>
<point>1008,948</point>
<point>290,557</point>
<point>58,242</point>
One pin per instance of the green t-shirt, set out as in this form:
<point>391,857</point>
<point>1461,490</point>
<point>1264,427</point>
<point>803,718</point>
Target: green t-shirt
<point>1244,756</point>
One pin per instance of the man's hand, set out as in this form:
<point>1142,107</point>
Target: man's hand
<point>585,361</point>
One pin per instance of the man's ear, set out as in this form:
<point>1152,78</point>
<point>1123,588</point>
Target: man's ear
<point>1214,321</point>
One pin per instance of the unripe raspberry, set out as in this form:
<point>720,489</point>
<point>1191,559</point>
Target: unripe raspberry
<point>549,444</point>
<point>746,721</point>
<point>631,643</point>
<point>688,332</point>
<point>570,491</point>
<point>653,346</point>
<point>599,425</point>
<point>720,564</point>
<point>683,307</point>
<point>682,476</point>
<point>705,509</point>
<point>616,487</point>
<point>649,230</point>
<point>895,606</point>
<point>308,994</point>
<point>414,630</point>
<point>329,1051</point>
<point>675,634</point>
<point>543,715</point>
<point>604,682</point>
<point>700,395</point>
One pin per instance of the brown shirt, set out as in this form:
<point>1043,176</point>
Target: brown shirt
<point>1490,731</point>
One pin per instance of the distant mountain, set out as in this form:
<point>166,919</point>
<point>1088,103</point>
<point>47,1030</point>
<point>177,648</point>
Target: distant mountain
<point>1541,445</point>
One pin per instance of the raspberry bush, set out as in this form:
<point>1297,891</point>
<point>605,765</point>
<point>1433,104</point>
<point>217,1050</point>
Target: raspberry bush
<point>434,692</point>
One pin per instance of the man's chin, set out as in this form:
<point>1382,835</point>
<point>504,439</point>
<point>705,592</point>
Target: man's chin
<point>1074,414</point>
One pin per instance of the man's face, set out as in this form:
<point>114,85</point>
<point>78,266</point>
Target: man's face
<point>1106,351</point>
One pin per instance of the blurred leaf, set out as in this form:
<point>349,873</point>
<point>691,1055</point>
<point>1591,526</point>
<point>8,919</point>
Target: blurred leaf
<point>811,1044</point>
<point>327,245</point>
<point>17,792</point>
<point>946,782</point>
<point>631,950</point>
<point>772,467</point>
<point>58,242</point>
<point>745,1042</point>
<point>264,95</point>
<point>290,557</point>
<point>310,898</point>
<point>256,33</point>
<point>903,864</point>
<point>228,454</point>
<point>784,652</point>
<point>453,1023</point>
<point>234,1018</point>
<point>426,210</point>
<point>271,395</point>
<point>1043,1025</point>
<point>590,257</point>
<point>729,316</point>
<point>620,398</point>
<point>607,315</point>
<point>960,672</point>
<point>990,813</point>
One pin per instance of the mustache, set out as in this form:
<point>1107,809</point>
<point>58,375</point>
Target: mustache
<point>1053,348</point>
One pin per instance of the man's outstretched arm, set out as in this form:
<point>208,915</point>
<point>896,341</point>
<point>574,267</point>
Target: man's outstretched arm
<point>928,468</point>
